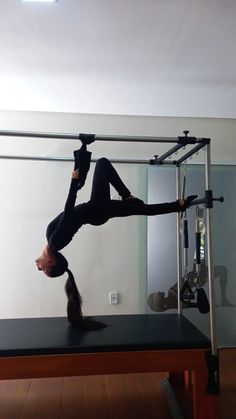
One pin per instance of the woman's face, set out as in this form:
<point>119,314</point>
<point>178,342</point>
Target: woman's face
<point>45,263</point>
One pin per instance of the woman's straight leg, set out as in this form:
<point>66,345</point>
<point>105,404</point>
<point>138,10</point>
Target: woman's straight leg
<point>137,207</point>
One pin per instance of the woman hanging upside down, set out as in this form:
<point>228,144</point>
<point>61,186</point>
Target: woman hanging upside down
<point>97,211</point>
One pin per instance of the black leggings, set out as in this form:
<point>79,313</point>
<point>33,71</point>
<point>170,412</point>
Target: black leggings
<point>102,207</point>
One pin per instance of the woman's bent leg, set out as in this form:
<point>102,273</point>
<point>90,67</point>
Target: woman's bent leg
<point>104,175</point>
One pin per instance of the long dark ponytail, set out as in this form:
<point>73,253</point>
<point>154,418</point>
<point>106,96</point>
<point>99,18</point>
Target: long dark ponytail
<point>74,303</point>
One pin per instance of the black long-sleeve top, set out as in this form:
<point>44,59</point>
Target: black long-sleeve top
<point>62,229</point>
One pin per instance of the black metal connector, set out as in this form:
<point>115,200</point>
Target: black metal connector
<point>209,198</point>
<point>87,138</point>
<point>205,141</point>
<point>153,162</point>
<point>186,140</point>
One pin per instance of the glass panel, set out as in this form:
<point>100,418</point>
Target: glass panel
<point>162,270</point>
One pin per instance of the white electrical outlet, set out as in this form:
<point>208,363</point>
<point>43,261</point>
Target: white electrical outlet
<point>114,297</point>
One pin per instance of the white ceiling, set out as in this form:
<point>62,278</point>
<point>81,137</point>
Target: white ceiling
<point>134,57</point>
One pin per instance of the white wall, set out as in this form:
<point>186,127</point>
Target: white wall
<point>136,57</point>
<point>103,259</point>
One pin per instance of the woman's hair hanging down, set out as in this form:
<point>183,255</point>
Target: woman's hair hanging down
<point>74,311</point>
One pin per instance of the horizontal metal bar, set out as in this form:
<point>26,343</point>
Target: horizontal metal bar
<point>69,159</point>
<point>48,135</point>
<point>30,134</point>
<point>167,162</point>
<point>151,162</point>
<point>136,139</point>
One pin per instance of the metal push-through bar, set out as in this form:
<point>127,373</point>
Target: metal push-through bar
<point>48,135</point>
<point>69,159</point>
<point>136,139</point>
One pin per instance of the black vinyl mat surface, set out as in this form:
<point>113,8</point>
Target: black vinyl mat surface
<point>54,335</point>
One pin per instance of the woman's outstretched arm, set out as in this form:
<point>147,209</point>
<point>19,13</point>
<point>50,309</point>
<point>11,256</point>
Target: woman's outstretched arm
<point>70,202</point>
<point>59,232</point>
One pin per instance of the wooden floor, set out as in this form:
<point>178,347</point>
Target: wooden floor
<point>133,396</point>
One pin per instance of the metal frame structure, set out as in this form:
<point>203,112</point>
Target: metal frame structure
<point>180,143</point>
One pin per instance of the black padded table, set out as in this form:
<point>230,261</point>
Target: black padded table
<point>40,336</point>
<point>50,347</point>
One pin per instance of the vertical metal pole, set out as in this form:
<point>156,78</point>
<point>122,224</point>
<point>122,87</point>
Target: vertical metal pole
<point>178,237</point>
<point>210,256</point>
